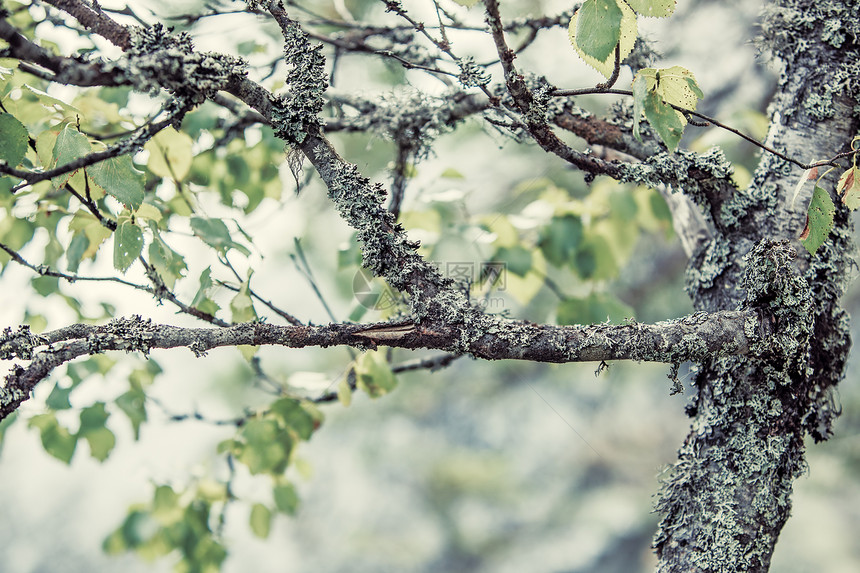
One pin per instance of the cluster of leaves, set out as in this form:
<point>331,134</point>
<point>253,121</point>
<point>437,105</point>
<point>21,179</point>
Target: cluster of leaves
<point>602,30</point>
<point>819,217</point>
<point>61,442</point>
<point>184,522</point>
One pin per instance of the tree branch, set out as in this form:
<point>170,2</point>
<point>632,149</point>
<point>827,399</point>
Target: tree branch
<point>533,111</point>
<point>689,338</point>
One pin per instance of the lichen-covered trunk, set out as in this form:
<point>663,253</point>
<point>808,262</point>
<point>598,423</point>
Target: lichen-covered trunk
<point>727,498</point>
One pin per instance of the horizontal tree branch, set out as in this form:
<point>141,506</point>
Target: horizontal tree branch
<point>689,338</point>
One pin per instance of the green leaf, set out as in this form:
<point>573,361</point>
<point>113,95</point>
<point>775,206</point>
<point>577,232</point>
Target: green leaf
<point>201,299</point>
<point>625,36</point>
<point>560,239</point>
<point>13,139</point>
<point>373,374</point>
<point>242,306</point>
<point>75,253</point>
<point>653,8</point>
<point>266,447</point>
<point>595,308</point>
<point>819,220</point>
<point>261,520</point>
<point>290,413</point>
<point>165,505</point>
<point>598,27</point>
<point>45,286</point>
<point>100,439</point>
<point>518,260</point>
<point>58,399</point>
<point>15,232</point>
<point>118,178</point>
<point>215,233</point>
<point>169,264</point>
<point>133,403</point>
<point>286,498</point>
<point>56,439</point>
<point>127,245</point>
<point>95,232</point>
<point>70,145</point>
<point>170,154</point>
<point>655,92</point>
<point>664,119</point>
<point>93,417</point>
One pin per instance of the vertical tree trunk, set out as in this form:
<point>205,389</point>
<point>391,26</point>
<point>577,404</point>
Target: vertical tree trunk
<point>728,495</point>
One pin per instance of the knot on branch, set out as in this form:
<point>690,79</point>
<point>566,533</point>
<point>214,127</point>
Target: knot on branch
<point>157,59</point>
<point>18,344</point>
<point>782,296</point>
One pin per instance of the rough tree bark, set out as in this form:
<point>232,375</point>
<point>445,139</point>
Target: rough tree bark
<point>728,496</point>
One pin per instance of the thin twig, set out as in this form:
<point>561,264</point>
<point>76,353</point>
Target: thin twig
<point>46,271</point>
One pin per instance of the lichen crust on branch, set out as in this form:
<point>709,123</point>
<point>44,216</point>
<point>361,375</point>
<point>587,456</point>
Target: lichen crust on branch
<point>157,59</point>
<point>298,111</point>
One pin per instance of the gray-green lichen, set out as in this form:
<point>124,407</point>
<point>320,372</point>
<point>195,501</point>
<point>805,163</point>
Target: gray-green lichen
<point>705,177</point>
<point>471,74</point>
<point>711,262</point>
<point>18,344</point>
<point>409,117</point>
<point>297,111</point>
<point>157,59</point>
<point>782,295</point>
<point>791,29</point>
<point>726,499</point>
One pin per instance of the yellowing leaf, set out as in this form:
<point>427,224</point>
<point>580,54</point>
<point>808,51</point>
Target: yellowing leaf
<point>676,85</point>
<point>344,392</point>
<point>808,175</point>
<point>50,101</point>
<point>373,374</point>
<point>626,39</point>
<point>653,8</point>
<point>169,154</point>
<point>148,211</point>
<point>655,92</point>
<point>849,187</point>
<point>95,232</point>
